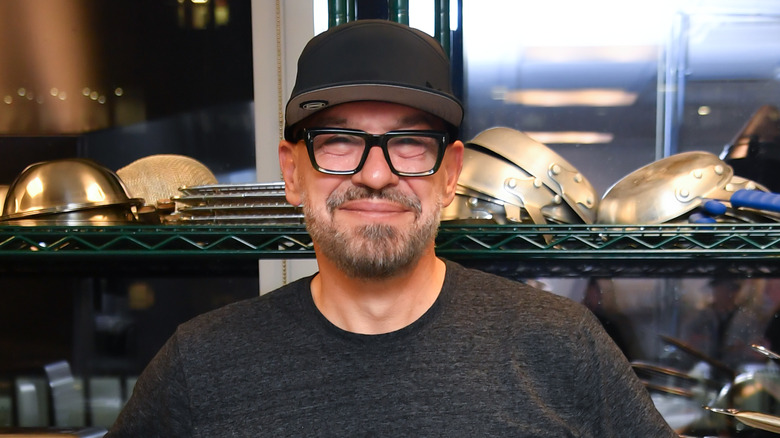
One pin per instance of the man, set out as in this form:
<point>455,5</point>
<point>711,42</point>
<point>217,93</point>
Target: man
<point>386,339</point>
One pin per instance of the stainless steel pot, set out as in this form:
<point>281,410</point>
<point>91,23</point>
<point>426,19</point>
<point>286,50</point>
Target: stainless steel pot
<point>470,206</point>
<point>545,171</point>
<point>519,192</point>
<point>665,189</point>
<point>64,186</point>
<point>101,216</point>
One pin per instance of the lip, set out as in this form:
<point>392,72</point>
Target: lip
<point>373,207</point>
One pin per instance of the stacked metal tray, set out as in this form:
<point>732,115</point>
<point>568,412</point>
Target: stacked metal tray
<point>234,204</point>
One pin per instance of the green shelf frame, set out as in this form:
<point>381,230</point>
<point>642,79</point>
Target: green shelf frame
<point>519,251</point>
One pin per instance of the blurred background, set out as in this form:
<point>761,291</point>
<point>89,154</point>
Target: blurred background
<point>610,85</point>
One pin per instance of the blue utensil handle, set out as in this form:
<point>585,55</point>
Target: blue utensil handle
<point>699,218</point>
<point>756,199</point>
<point>714,207</point>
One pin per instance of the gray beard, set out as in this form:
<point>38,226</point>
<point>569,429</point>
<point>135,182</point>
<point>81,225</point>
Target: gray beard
<point>372,251</point>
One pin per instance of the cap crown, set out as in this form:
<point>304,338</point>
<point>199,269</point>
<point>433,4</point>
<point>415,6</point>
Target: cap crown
<point>373,60</point>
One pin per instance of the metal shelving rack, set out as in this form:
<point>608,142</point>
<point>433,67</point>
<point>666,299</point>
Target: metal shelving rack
<point>518,251</point>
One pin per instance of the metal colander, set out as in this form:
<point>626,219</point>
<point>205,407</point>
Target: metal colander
<point>159,177</point>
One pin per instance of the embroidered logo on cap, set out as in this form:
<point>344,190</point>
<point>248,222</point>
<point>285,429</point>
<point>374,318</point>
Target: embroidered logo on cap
<point>314,104</point>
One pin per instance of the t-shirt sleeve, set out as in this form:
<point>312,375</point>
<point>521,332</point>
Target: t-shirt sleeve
<point>159,405</point>
<point>622,405</point>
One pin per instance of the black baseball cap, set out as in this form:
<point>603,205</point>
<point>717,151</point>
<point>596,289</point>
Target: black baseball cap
<point>373,60</point>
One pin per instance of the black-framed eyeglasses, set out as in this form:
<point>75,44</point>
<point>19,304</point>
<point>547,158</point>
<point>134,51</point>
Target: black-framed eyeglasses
<point>344,151</point>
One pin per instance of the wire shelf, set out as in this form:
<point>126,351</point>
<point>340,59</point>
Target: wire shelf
<point>511,250</point>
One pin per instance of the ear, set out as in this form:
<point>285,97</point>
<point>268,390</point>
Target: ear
<point>451,165</point>
<point>288,163</point>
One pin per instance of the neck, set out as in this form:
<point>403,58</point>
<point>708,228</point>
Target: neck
<point>376,306</point>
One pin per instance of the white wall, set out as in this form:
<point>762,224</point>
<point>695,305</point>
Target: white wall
<point>280,30</point>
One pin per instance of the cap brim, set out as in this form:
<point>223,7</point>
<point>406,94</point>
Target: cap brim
<point>307,103</point>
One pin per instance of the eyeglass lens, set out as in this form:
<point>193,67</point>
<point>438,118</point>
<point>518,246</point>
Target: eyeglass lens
<point>408,153</point>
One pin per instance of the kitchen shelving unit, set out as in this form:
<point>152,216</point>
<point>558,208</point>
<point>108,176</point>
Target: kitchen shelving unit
<point>516,251</point>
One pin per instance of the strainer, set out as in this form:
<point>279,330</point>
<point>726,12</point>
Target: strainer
<point>159,177</point>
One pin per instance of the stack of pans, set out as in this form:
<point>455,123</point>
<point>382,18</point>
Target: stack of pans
<point>508,177</point>
<point>234,204</point>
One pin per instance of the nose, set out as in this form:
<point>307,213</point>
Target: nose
<point>376,171</point>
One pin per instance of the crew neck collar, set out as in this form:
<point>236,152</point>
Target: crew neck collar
<point>410,330</point>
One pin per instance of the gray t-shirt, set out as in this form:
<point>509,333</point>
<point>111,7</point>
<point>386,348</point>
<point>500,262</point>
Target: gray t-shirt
<point>492,357</point>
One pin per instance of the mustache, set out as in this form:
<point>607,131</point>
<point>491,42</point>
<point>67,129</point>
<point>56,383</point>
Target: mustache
<point>355,193</point>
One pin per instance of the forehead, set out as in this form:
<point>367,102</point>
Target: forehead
<point>369,113</point>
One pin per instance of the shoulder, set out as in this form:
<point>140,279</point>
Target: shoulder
<point>519,304</point>
<point>483,286</point>
<point>258,314</point>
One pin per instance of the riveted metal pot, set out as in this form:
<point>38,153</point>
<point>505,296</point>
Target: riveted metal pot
<point>665,189</point>
<point>521,194</point>
<point>470,206</point>
<point>544,170</point>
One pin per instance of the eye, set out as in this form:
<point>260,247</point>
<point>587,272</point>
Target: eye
<point>409,147</point>
<point>337,144</point>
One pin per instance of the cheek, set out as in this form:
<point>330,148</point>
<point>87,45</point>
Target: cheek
<point>316,189</point>
<point>429,192</point>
